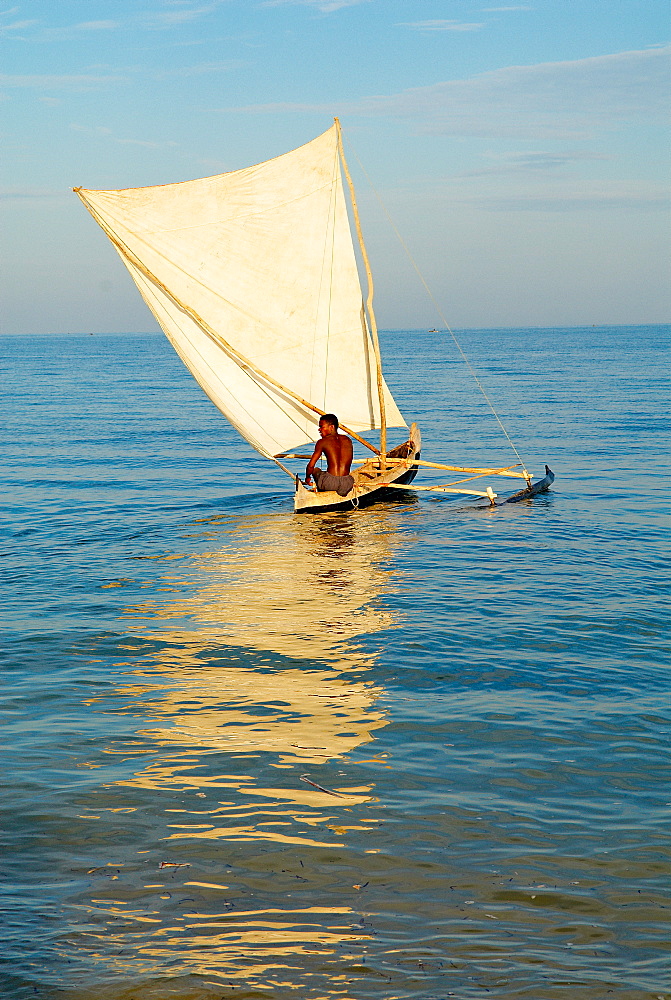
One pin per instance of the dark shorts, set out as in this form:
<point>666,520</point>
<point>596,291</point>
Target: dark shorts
<point>325,482</point>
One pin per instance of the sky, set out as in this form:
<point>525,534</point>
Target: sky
<point>521,149</point>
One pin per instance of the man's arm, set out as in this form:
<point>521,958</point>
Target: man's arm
<point>319,448</point>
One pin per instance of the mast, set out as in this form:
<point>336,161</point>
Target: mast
<point>369,301</point>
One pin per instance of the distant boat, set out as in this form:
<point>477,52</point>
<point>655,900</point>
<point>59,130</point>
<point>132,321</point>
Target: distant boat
<point>252,276</point>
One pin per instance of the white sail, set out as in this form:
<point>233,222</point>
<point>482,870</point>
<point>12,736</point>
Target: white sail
<point>253,278</point>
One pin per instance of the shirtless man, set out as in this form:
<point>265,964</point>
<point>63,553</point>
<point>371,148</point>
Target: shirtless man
<point>338,451</point>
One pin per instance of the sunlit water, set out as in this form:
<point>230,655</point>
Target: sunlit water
<point>416,751</point>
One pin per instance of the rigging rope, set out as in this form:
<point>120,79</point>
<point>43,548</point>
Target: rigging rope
<point>441,314</point>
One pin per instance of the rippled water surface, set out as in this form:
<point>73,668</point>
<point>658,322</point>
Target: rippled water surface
<point>416,751</point>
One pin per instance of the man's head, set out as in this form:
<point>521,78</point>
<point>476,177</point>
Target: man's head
<point>328,424</point>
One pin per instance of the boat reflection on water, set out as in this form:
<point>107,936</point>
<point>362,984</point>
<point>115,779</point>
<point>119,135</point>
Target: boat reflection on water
<point>261,648</point>
<point>265,652</point>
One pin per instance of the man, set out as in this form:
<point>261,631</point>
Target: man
<point>338,451</point>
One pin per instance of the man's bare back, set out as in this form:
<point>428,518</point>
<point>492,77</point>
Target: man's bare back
<point>336,447</point>
<point>338,451</point>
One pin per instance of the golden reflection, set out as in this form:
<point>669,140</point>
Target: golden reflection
<point>255,670</point>
<point>304,589</point>
<point>261,949</point>
<point>260,640</point>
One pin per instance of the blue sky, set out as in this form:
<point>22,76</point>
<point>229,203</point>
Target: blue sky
<point>522,149</point>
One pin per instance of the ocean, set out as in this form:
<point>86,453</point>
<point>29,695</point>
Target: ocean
<point>419,750</point>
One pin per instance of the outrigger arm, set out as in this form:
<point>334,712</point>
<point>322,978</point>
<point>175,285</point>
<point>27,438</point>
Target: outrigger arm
<point>532,489</point>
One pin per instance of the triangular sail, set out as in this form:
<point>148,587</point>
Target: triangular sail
<point>253,278</point>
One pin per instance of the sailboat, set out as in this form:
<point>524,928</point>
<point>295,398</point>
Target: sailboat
<point>252,276</point>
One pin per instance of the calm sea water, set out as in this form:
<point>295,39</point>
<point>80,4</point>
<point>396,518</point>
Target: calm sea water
<point>416,751</point>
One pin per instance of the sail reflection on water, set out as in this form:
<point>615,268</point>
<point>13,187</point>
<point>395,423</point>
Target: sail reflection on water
<point>266,652</point>
<point>255,674</point>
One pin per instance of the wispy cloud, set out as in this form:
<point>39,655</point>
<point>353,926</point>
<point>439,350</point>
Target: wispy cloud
<point>6,29</point>
<point>178,12</point>
<point>47,33</point>
<point>66,81</point>
<point>324,6</point>
<point>571,101</point>
<point>68,32</point>
<point>227,66</point>
<point>596,197</point>
<point>169,14</point>
<point>532,162</point>
<point>100,132</point>
<point>30,194</point>
<point>440,25</point>
<point>95,26</point>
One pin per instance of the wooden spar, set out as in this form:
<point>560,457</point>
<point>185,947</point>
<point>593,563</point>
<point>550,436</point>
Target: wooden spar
<point>241,360</point>
<point>443,489</point>
<point>450,468</point>
<point>369,300</point>
<point>468,479</point>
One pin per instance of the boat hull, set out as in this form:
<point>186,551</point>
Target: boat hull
<point>370,485</point>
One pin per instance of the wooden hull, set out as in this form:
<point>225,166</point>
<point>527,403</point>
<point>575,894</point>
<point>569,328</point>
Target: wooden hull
<point>370,483</point>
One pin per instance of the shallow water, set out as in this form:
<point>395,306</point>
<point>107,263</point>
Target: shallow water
<point>415,751</point>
